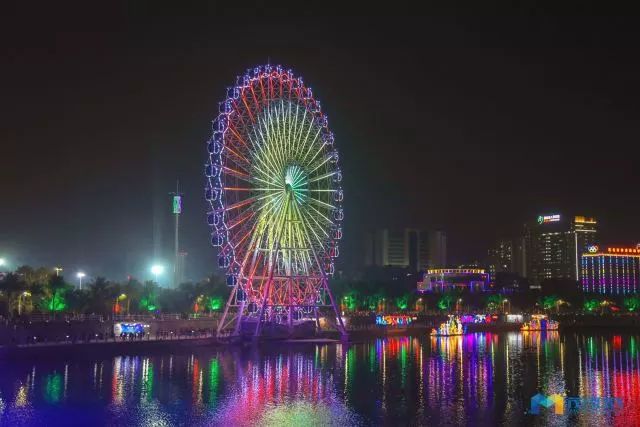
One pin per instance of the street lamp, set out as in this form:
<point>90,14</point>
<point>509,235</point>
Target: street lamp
<point>157,270</point>
<point>57,270</point>
<point>116,305</point>
<point>80,275</point>
<point>504,301</point>
<point>3,262</point>
<point>24,294</point>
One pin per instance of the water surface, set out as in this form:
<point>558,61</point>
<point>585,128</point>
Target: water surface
<point>478,379</point>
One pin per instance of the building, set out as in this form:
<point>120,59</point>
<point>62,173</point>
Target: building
<point>411,249</point>
<point>445,279</point>
<point>553,245</point>
<point>611,270</point>
<point>500,257</point>
<point>506,263</point>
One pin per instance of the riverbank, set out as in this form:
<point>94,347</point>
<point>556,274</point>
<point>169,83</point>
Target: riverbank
<point>104,347</point>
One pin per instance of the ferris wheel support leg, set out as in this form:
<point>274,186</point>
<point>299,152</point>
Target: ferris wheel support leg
<point>290,319</point>
<point>226,310</point>
<point>341,329</point>
<point>264,303</point>
<point>236,330</point>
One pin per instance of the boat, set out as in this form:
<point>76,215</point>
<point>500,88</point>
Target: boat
<point>451,328</point>
<point>540,322</point>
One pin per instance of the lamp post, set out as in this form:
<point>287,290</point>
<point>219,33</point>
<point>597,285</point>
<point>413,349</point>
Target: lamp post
<point>3,262</point>
<point>57,270</point>
<point>116,305</point>
<point>504,301</point>
<point>23,294</point>
<point>80,275</point>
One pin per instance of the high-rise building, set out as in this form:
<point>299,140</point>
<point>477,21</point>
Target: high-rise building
<point>437,256</point>
<point>501,257</point>
<point>553,245</point>
<point>614,270</point>
<point>408,248</point>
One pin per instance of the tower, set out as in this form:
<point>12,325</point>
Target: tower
<point>178,261</point>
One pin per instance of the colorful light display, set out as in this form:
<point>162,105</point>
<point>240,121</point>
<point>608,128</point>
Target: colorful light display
<point>614,271</point>
<point>273,184</point>
<point>394,320</point>
<point>540,322</point>
<point>453,326</point>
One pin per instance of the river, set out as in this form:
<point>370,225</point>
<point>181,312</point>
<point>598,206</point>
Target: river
<point>476,379</point>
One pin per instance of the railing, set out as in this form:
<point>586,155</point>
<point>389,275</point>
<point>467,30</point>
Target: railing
<point>65,317</point>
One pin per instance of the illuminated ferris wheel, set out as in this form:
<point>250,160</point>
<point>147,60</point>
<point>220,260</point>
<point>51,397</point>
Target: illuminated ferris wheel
<point>273,183</point>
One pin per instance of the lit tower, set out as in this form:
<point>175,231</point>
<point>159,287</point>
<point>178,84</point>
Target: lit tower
<point>177,210</point>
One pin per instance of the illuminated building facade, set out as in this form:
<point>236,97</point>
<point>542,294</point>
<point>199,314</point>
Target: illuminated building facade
<point>407,248</point>
<point>553,245</point>
<point>611,270</point>
<point>445,279</point>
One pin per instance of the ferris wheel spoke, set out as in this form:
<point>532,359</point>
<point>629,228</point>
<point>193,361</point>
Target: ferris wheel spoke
<point>265,160</point>
<point>320,149</point>
<point>236,173</point>
<point>318,225</point>
<point>322,163</point>
<point>321,177</point>
<point>318,239</point>
<point>264,97</point>
<point>234,156</point>
<point>318,190</point>
<point>321,203</point>
<point>321,214</point>
<point>274,129</point>
<point>248,109</point>
<point>248,214</point>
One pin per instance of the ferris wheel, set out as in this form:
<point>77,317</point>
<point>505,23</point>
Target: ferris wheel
<point>274,188</point>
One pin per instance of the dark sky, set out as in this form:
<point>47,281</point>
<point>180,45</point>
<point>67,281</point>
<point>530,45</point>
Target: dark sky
<point>473,124</point>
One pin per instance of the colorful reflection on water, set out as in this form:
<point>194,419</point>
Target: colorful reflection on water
<point>479,379</point>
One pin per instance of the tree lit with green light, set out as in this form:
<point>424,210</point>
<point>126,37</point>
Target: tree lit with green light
<point>591,305</point>
<point>215,303</point>
<point>444,303</point>
<point>632,303</point>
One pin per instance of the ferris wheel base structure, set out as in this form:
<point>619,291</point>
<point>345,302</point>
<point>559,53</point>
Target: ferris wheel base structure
<point>242,318</point>
<point>273,183</point>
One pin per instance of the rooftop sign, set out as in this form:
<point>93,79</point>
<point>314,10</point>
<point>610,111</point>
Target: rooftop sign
<point>543,219</point>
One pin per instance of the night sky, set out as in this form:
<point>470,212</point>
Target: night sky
<point>472,124</point>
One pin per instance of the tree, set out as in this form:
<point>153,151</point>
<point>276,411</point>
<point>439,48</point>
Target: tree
<point>493,302</point>
<point>54,299</point>
<point>12,288</point>
<point>549,301</point>
<point>149,297</point>
<point>444,303</point>
<point>591,304</point>
<point>102,296</point>
<point>632,303</point>
<point>402,302</point>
